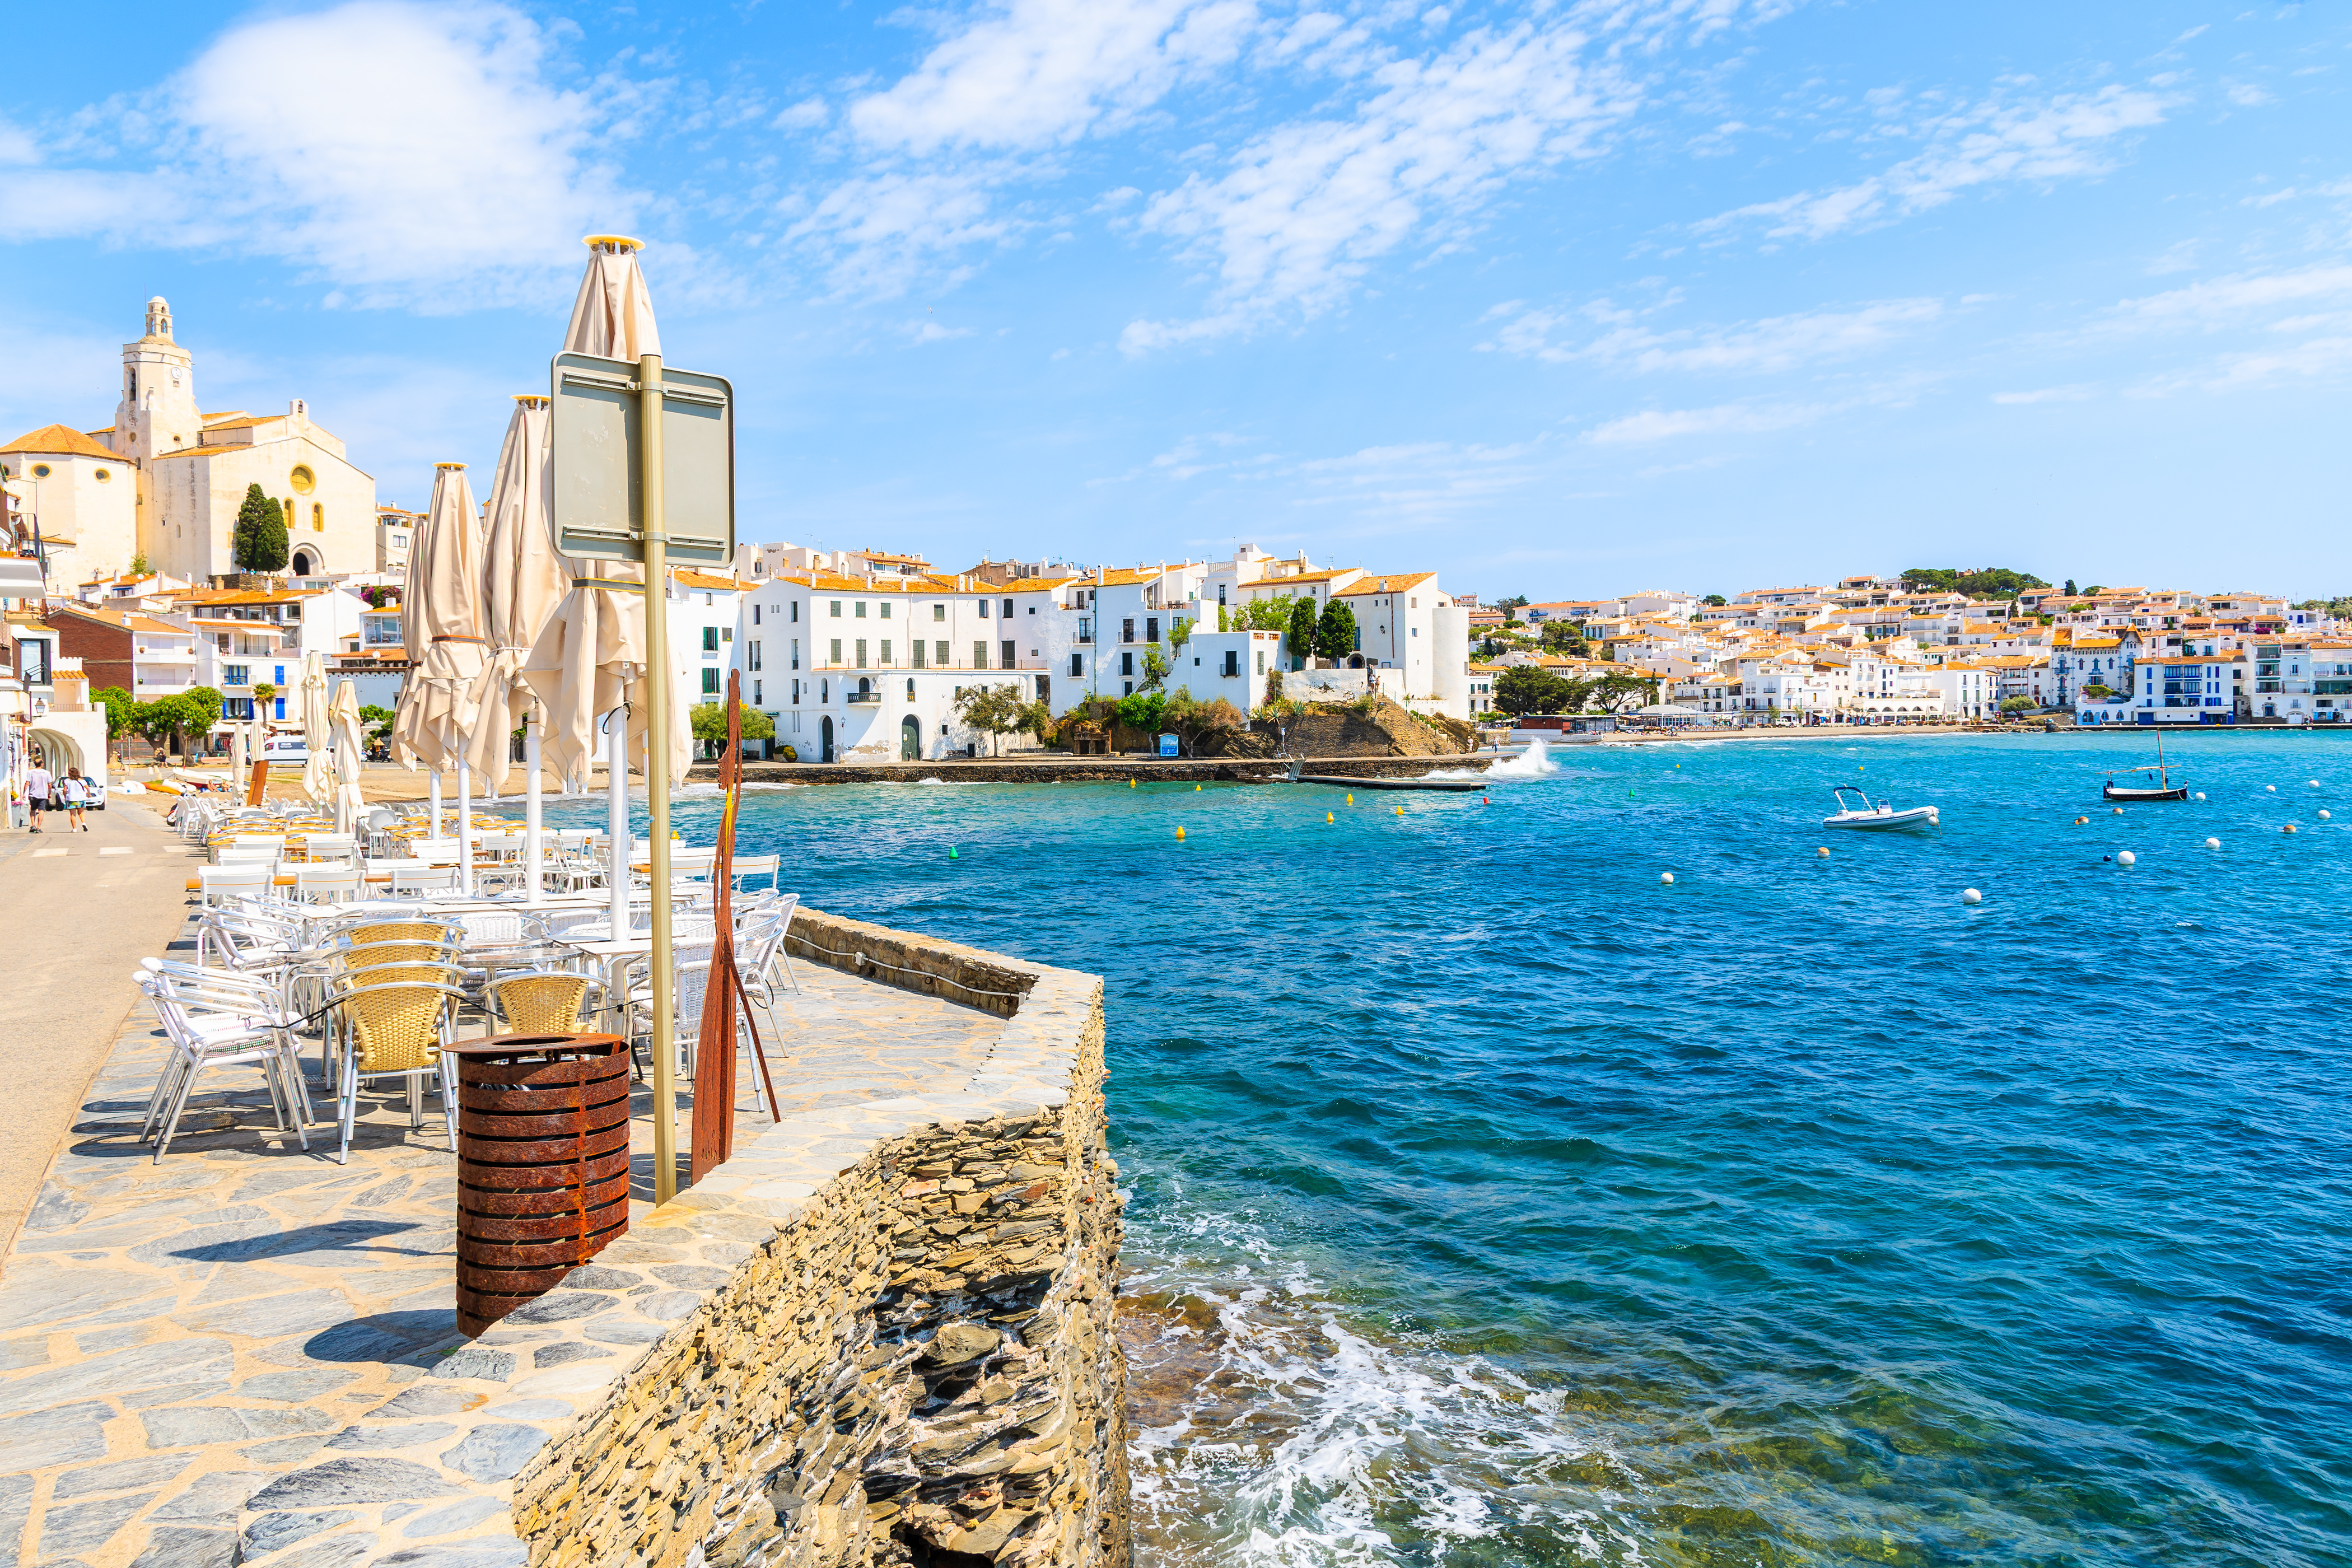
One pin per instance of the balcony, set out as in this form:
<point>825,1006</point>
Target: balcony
<point>863,699</point>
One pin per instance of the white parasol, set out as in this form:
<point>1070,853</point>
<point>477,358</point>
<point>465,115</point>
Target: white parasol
<point>344,727</point>
<point>317,772</point>
<point>440,616</point>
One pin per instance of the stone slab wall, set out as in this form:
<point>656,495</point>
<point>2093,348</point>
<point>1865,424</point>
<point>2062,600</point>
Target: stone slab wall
<point>881,1334</point>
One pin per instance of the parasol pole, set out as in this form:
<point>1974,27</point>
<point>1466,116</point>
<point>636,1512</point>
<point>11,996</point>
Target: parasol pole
<point>530,854</point>
<point>649,427</point>
<point>434,789</point>
<point>465,828</point>
<point>616,817</point>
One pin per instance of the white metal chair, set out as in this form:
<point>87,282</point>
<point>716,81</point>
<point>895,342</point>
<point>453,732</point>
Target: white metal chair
<point>419,878</point>
<point>331,846</point>
<point>326,884</point>
<point>215,1019</point>
<point>216,883</point>
<point>749,865</point>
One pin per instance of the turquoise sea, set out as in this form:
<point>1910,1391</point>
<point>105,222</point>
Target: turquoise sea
<point>1493,1203</point>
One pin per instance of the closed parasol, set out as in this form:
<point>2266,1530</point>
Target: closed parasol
<point>317,772</point>
<point>441,621</point>
<point>344,729</point>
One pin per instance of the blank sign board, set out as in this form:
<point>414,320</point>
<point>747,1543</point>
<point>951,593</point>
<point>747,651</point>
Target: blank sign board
<point>596,479</point>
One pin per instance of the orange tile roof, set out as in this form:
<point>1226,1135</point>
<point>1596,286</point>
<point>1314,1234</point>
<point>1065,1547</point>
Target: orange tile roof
<point>58,438</point>
<point>687,577</point>
<point>244,422</point>
<point>1396,584</point>
<point>125,619</point>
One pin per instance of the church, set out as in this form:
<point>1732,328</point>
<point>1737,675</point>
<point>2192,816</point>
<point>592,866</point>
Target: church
<point>165,480</point>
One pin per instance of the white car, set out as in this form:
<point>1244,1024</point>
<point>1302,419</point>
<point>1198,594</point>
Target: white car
<point>286,749</point>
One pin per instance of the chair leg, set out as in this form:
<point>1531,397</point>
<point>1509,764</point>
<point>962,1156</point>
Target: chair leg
<point>179,1103</point>
<point>347,1110</point>
<point>301,1089</point>
<point>449,1099</point>
<point>167,1087</point>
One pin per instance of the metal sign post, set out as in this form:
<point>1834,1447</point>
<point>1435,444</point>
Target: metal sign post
<point>643,469</point>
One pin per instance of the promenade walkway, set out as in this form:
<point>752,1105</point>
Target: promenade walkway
<point>79,911</point>
<point>176,1337</point>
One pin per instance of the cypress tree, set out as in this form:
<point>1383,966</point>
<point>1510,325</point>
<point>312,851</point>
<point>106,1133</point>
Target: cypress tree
<point>258,542</point>
<point>1302,630</point>
<point>1335,635</point>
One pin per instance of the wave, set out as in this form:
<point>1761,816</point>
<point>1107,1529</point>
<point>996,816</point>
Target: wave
<point>1535,763</point>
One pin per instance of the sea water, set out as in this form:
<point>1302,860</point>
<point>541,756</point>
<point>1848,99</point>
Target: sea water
<point>1491,1201</point>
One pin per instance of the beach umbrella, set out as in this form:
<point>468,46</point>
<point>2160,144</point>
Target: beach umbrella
<point>317,774</point>
<point>524,579</point>
<point>591,658</point>
<point>345,728</point>
<point>441,622</point>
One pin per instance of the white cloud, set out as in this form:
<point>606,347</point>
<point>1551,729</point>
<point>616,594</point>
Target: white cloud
<point>879,233</point>
<point>407,153</point>
<point>1302,211</point>
<point>1775,343</point>
<point>1723,419</point>
<point>1033,73</point>
<point>2227,299</point>
<point>2047,395</point>
<point>2245,95</point>
<point>2068,137</point>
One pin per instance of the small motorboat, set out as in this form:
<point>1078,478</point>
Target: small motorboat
<point>1880,818</point>
<point>2163,789</point>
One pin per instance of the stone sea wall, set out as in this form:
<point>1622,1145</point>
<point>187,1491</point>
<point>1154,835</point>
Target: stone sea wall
<point>881,1334</point>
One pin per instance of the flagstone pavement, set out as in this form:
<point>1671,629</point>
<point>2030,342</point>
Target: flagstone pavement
<point>175,1335</point>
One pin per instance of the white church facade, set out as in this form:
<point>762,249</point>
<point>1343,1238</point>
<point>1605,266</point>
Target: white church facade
<point>166,480</point>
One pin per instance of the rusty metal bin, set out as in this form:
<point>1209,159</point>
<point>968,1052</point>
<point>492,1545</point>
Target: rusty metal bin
<point>542,1165</point>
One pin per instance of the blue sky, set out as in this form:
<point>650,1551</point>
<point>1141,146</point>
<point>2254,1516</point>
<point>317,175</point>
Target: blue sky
<point>1560,300</point>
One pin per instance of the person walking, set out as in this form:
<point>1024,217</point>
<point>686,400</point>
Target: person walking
<point>76,790</point>
<point>37,785</point>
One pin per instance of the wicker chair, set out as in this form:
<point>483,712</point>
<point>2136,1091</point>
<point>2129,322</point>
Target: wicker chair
<point>394,1019</point>
<point>540,1001</point>
<point>403,930</point>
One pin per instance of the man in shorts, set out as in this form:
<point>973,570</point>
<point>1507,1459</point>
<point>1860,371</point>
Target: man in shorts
<point>37,785</point>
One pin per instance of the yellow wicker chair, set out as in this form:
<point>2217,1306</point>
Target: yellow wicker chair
<point>394,1020</point>
<point>403,930</point>
<point>541,1002</point>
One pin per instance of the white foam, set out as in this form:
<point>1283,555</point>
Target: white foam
<point>1347,1436</point>
<point>1535,763</point>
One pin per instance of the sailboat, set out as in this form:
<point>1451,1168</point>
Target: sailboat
<point>2164,789</point>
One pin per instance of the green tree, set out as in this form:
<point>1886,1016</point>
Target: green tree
<point>709,722</point>
<point>2016,704</point>
<point>1301,632</point>
<point>1619,692</point>
<point>1222,624</point>
<point>1718,600</point>
<point>1194,721</point>
<point>119,705</point>
<point>1335,634</point>
<point>1142,711</point>
<point>138,567</point>
<point>1179,632</point>
<point>205,705</point>
<point>1270,614</point>
<point>1156,669</point>
<point>2070,587</point>
<point>375,721</point>
<point>258,542</point>
<point>1985,582</point>
<point>1524,688</point>
<point>996,711</point>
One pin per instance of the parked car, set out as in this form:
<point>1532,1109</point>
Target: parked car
<point>286,749</point>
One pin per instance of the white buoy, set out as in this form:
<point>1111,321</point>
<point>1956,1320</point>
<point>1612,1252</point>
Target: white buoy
<point>2325,816</point>
<point>1824,852</point>
<point>2270,789</point>
<point>1971,896</point>
<point>2201,795</point>
<point>1666,876</point>
<point>2313,783</point>
<point>2125,857</point>
<point>2213,844</point>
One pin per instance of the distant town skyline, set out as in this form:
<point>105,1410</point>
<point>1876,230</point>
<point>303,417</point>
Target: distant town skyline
<point>1562,301</point>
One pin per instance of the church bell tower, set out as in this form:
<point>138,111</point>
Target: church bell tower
<point>158,411</point>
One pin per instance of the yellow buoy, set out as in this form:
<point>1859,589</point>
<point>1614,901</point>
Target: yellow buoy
<point>1180,833</point>
<point>1130,783</point>
<point>1400,811</point>
<point>1329,817</point>
<point>1351,798</point>
<point>1196,789</point>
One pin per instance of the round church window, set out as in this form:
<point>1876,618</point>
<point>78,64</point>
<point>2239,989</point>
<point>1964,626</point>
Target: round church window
<point>40,470</point>
<point>104,475</point>
<point>302,480</point>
